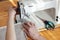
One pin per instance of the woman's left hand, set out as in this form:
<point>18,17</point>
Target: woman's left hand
<point>11,12</point>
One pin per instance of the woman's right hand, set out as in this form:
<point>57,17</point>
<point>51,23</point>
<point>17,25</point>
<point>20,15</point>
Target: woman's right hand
<point>31,31</point>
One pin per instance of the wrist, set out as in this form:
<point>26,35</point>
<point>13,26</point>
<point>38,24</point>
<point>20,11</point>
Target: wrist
<point>11,16</point>
<point>37,37</point>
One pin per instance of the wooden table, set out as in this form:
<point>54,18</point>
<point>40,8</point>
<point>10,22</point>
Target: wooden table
<point>4,6</point>
<point>51,34</point>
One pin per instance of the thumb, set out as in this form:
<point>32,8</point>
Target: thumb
<point>11,11</point>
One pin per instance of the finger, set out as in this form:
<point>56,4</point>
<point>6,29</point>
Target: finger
<point>27,33</point>
<point>11,10</point>
<point>28,23</point>
<point>32,23</point>
<point>25,26</point>
<point>15,8</point>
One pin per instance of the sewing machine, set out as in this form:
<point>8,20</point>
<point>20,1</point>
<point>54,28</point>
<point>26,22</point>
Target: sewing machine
<point>27,14</point>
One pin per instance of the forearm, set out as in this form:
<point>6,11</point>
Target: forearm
<point>10,33</point>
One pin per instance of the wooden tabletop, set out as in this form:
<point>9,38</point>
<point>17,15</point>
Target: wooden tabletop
<point>4,6</point>
<point>50,34</point>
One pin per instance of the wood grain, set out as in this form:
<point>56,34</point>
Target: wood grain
<point>50,34</point>
<point>4,6</point>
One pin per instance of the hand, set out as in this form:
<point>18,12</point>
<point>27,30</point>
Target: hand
<point>31,31</point>
<point>11,12</point>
